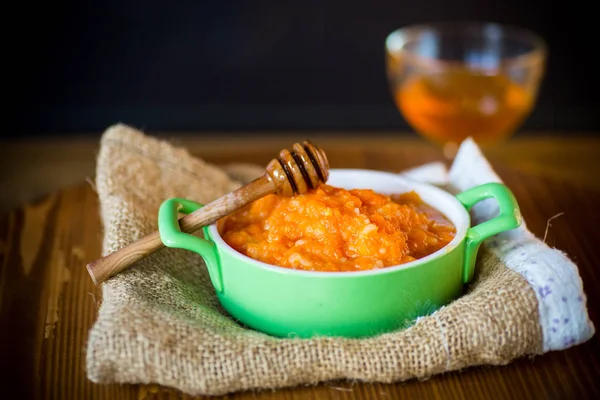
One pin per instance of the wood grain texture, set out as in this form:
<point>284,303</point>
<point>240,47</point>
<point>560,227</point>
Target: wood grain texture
<point>31,168</point>
<point>48,302</point>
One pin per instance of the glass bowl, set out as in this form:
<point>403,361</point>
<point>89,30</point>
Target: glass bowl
<point>456,80</point>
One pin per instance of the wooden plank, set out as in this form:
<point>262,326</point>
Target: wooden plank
<point>31,168</point>
<point>48,303</point>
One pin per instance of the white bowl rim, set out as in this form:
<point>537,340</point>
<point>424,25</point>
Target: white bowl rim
<point>461,232</point>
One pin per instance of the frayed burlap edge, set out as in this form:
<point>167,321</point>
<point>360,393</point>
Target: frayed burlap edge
<point>160,321</point>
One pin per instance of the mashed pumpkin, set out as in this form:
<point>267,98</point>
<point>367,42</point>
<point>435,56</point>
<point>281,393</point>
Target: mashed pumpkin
<point>334,229</point>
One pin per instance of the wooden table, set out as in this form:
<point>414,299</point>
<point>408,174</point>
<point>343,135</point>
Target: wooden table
<point>48,303</point>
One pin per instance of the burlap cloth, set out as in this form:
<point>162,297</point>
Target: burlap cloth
<point>160,321</point>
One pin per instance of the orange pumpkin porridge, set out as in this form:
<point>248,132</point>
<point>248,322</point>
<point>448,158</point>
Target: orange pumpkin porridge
<point>334,229</point>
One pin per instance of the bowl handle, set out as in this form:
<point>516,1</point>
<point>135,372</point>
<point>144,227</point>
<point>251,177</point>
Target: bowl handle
<point>172,236</point>
<point>508,218</point>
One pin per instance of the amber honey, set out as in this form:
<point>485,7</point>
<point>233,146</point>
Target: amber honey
<point>450,106</point>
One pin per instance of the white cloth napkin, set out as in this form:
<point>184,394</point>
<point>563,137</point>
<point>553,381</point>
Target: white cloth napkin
<point>554,277</point>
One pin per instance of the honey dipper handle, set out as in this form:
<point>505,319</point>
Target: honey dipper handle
<point>112,264</point>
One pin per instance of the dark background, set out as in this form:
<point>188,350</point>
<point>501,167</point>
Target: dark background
<point>78,66</point>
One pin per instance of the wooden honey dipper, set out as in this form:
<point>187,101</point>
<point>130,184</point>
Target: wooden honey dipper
<point>292,173</point>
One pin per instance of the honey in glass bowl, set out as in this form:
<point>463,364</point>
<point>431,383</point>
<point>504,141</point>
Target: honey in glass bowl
<point>452,81</point>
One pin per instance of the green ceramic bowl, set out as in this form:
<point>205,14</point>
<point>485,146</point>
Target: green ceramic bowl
<point>291,303</point>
